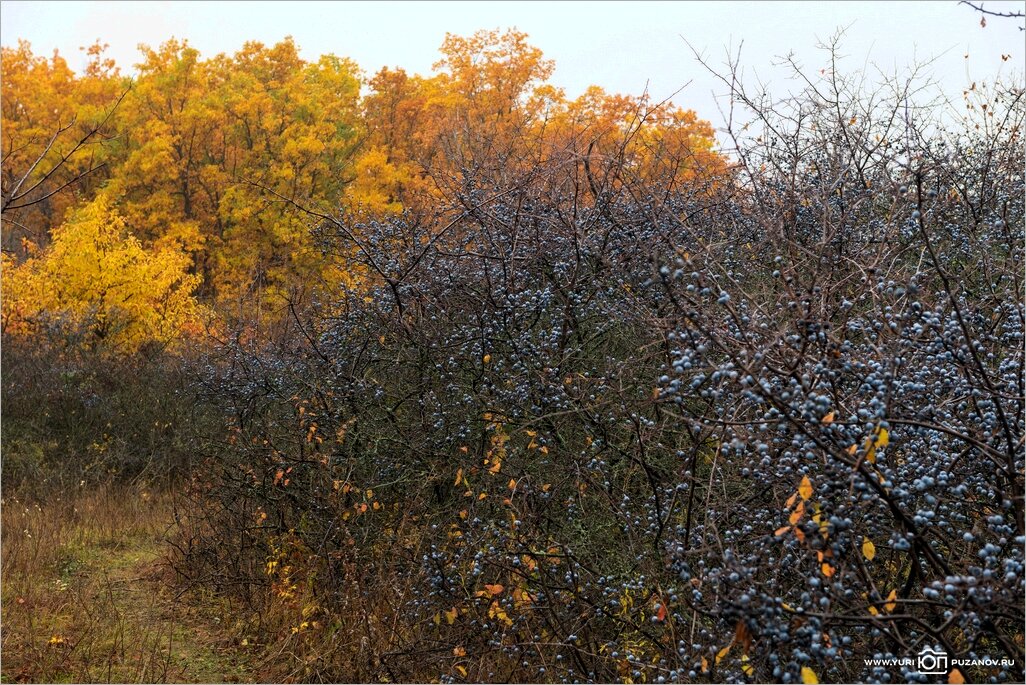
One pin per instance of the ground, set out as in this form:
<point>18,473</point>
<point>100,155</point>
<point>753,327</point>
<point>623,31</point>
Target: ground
<point>87,597</point>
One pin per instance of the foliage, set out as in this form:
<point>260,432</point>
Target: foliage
<point>503,386</point>
<point>226,157</point>
<point>97,278</point>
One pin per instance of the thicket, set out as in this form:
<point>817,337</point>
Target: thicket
<point>461,380</point>
<point>588,424</point>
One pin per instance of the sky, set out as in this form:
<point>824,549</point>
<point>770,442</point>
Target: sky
<point>623,47</point>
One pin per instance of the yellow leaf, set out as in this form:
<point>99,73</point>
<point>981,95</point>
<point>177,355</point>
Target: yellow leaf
<point>891,601</point>
<point>487,358</point>
<point>809,676</point>
<point>883,438</point>
<point>746,667</point>
<point>437,618</point>
<point>459,476</point>
<point>450,615</point>
<point>462,670</point>
<point>868,549</point>
<point>723,652</point>
<point>805,489</point>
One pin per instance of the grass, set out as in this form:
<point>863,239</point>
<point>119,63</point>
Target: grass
<point>85,597</point>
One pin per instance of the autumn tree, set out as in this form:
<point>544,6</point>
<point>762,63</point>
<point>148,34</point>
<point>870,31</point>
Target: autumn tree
<point>56,130</point>
<point>97,279</point>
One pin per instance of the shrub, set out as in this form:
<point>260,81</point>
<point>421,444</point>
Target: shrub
<point>579,427</point>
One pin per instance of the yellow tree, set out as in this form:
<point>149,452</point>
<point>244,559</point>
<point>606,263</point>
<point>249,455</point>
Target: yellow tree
<point>291,131</point>
<point>97,278</point>
<point>55,126</point>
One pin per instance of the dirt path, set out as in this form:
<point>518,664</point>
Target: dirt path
<point>185,642</point>
<point>85,599</point>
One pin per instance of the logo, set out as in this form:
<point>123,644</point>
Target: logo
<point>932,662</point>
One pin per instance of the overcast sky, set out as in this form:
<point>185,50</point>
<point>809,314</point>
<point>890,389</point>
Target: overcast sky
<point>623,47</point>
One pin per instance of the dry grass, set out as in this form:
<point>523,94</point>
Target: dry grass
<point>85,599</point>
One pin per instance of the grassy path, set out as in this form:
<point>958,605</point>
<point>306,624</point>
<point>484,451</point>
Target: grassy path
<point>85,598</point>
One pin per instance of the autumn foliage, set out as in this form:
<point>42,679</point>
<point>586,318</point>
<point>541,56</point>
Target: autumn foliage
<point>475,382</point>
<point>222,165</point>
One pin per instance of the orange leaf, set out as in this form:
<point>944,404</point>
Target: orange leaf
<point>956,677</point>
<point>829,418</point>
<point>797,514</point>
<point>805,489</point>
<point>495,589</point>
<point>780,531</point>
